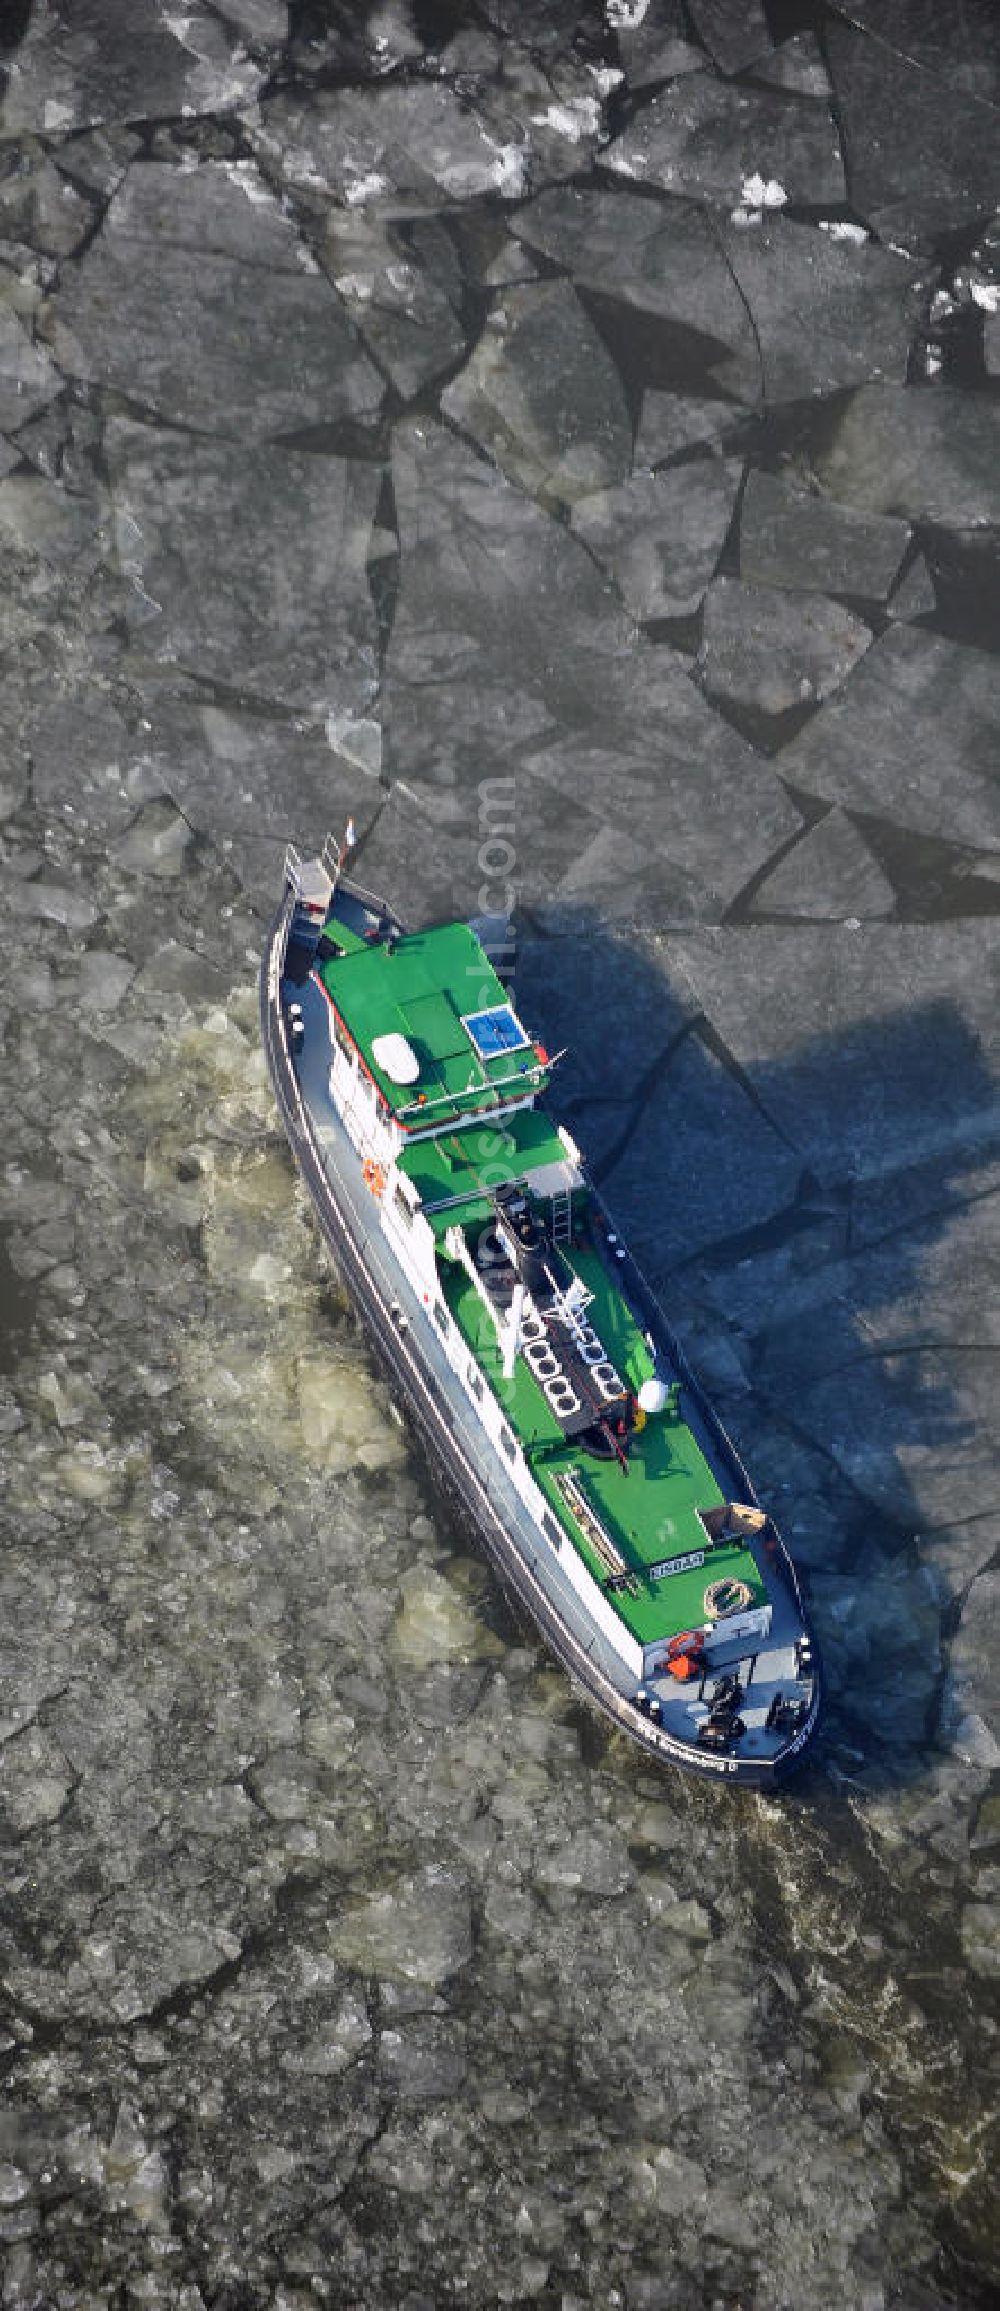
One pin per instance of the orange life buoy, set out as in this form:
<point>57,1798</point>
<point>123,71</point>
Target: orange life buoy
<point>685,1654</point>
<point>374,1176</point>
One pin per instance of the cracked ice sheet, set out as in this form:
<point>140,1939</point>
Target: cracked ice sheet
<point>680,794</point>
<point>673,422</point>
<point>249,571</point>
<point>54,574</point>
<point>830,875</point>
<point>921,1302</point>
<point>910,740</point>
<point>773,651</point>
<point>253,782</point>
<point>873,1048</point>
<point>660,535</point>
<point>973,1691</point>
<point>912,1431</point>
<point>410,146</point>
<point>935,1285</point>
<point>932,456</point>
<point>705,137</point>
<point>86,61</point>
<point>542,395</point>
<point>696,1163</point>
<point>404,295</point>
<point>653,42</point>
<point>892,107</point>
<point>488,583</point>
<point>40,208</point>
<point>248,782</point>
<point>505,638</point>
<point>807,543</point>
<point>735,35</point>
<point>827,313</point>
<point>205,257</point>
<point>513,841</point>
<point>796,65</point>
<point>898,1263</point>
<point>661,257</point>
<point>28,379</point>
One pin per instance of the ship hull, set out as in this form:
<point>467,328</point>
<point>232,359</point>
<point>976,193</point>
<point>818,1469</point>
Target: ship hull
<point>438,1411</point>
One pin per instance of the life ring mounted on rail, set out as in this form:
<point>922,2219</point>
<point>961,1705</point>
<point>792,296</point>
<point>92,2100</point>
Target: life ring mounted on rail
<point>374,1176</point>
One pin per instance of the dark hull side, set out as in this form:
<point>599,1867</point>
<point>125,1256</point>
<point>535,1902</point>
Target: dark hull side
<point>427,1406</point>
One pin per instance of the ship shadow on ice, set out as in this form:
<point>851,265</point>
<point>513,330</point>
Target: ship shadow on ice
<point>795,1215</point>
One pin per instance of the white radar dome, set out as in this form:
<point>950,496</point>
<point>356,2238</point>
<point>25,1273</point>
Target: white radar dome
<point>653,1395</point>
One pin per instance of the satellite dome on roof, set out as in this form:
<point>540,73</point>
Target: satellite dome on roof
<point>396,1057</point>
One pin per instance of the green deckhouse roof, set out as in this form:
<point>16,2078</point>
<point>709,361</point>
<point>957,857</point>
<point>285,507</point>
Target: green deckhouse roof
<point>423,988</point>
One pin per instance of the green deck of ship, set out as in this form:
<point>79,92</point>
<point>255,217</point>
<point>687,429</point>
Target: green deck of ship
<point>458,1169</point>
<point>422,988</point>
<point>522,1399</point>
<point>650,1514</point>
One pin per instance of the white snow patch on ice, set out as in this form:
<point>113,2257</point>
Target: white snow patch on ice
<point>757,192</point>
<point>180,26</point>
<point>360,286</point>
<point>246,175</point>
<point>577,120</point>
<point>508,170</point>
<point>839,230</point>
<point>358,740</point>
<point>985,294</point>
<point>366,189</point>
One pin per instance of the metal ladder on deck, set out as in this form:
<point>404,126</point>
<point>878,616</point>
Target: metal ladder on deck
<point>562,1217</point>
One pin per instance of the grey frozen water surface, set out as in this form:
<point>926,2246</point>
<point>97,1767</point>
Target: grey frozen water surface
<point>564,439</point>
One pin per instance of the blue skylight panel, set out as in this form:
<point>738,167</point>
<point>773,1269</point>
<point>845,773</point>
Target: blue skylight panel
<point>494,1033</point>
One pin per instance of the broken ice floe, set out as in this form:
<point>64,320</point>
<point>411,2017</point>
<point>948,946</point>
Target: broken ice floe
<point>908,739</point>
<point>764,648</point>
<point>705,138</point>
<point>827,314</point>
<point>293,619</point>
<point>806,542</point>
<point>887,116</point>
<point>660,535</point>
<point>543,396</point>
<point>662,262</point>
<point>829,876</point>
<point>197,257</point>
<point>118,60</point>
<point>932,457</point>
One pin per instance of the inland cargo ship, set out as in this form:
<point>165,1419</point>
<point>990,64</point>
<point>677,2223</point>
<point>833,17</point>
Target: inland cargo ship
<point>518,1333</point>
